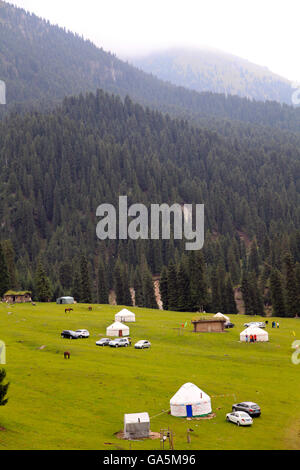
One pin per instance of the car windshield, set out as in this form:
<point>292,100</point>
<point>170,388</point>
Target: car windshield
<point>244,415</point>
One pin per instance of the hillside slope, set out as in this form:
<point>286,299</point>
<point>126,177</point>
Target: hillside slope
<point>41,64</point>
<point>218,72</point>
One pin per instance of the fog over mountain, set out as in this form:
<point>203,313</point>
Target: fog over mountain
<point>212,70</point>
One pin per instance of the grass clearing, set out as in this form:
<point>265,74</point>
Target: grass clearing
<point>79,403</point>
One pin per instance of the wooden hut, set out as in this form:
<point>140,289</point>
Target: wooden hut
<point>17,297</point>
<point>209,325</point>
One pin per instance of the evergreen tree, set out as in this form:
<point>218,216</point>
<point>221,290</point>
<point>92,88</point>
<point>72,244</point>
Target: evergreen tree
<point>42,284</point>
<point>183,283</point>
<point>230,301</point>
<point>102,284</point>
<point>149,300</point>
<point>163,287</point>
<point>172,287</point>
<point>3,388</point>
<point>277,296</point>
<point>9,256</point>
<point>118,283</point>
<point>85,283</point>
<point>4,276</point>
<point>76,288</point>
<point>291,291</point>
<point>198,283</point>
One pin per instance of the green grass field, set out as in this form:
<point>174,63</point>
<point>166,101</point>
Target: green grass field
<point>80,403</point>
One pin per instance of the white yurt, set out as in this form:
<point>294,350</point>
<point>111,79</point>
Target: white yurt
<point>261,335</point>
<point>125,316</point>
<point>117,329</point>
<point>190,401</point>
<point>221,315</point>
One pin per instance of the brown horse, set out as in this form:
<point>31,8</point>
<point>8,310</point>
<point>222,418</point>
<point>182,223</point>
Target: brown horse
<point>69,309</point>
<point>67,355</point>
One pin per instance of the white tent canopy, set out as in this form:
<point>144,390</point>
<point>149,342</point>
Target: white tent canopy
<point>261,335</point>
<point>117,329</point>
<point>221,315</point>
<point>125,316</point>
<point>190,401</point>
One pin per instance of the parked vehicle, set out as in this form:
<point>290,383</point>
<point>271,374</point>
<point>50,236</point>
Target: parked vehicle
<point>142,344</point>
<point>260,324</point>
<point>249,407</point>
<point>103,342</point>
<point>69,334</point>
<point>119,343</point>
<point>83,333</point>
<point>240,418</point>
<point>228,324</point>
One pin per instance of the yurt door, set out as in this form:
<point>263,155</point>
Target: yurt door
<point>120,333</point>
<point>189,411</point>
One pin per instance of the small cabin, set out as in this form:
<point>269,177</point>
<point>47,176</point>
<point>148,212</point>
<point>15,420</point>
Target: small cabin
<point>209,325</point>
<point>13,297</point>
<point>136,425</point>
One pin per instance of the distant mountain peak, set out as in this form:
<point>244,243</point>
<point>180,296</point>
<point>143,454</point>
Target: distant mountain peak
<point>209,69</point>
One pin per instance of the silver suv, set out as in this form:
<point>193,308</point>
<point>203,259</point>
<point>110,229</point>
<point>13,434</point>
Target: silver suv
<point>119,343</point>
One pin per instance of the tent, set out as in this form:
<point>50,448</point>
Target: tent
<point>221,315</point>
<point>117,329</point>
<point>136,425</point>
<point>65,300</point>
<point>261,335</point>
<point>125,316</point>
<point>190,401</point>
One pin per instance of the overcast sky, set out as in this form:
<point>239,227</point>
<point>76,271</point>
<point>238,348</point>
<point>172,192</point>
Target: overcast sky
<point>265,32</point>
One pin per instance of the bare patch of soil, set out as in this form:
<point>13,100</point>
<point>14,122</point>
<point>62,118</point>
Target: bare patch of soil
<point>153,435</point>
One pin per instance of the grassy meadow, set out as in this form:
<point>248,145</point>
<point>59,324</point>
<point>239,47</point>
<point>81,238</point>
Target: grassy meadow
<point>79,403</point>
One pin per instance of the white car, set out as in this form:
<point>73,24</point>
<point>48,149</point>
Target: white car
<point>142,344</point>
<point>83,333</point>
<point>240,418</point>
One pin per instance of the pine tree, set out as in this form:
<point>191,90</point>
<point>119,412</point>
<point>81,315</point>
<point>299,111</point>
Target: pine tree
<point>85,283</point>
<point>138,287</point>
<point>9,256</point>
<point>102,284</point>
<point>163,287</point>
<point>118,283</point>
<point>3,388</point>
<point>149,300</point>
<point>76,288</point>
<point>4,276</point>
<point>183,283</point>
<point>230,301</point>
<point>291,292</point>
<point>172,287</point>
<point>198,283</point>
<point>42,284</point>
<point>277,296</point>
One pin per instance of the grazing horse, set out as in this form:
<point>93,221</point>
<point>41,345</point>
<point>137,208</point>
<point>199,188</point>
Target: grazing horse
<point>67,355</point>
<point>69,309</point>
<point>90,308</point>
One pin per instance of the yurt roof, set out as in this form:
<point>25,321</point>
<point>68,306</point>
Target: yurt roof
<point>126,313</point>
<point>254,330</point>
<point>188,393</point>
<point>117,326</point>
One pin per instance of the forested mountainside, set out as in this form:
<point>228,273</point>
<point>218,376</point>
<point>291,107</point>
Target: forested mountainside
<point>57,167</point>
<point>42,63</point>
<point>215,71</point>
